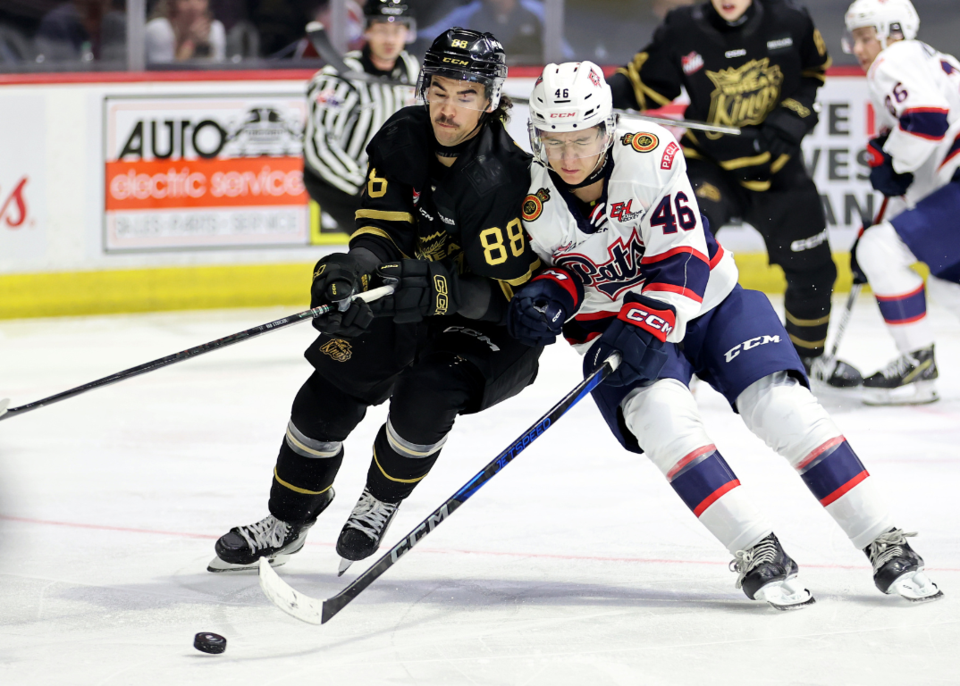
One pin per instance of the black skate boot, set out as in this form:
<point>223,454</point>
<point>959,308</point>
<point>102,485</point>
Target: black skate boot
<point>898,569</point>
<point>832,372</point>
<point>908,380</point>
<point>240,549</point>
<point>766,572</point>
<point>366,526</point>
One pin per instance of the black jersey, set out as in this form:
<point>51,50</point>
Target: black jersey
<point>773,62</point>
<point>469,213</point>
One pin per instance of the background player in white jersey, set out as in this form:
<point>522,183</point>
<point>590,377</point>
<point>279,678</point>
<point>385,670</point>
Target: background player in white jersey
<point>916,91</point>
<point>633,269</point>
<point>345,115</point>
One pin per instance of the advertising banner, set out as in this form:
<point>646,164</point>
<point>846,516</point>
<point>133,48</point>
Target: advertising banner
<point>189,172</point>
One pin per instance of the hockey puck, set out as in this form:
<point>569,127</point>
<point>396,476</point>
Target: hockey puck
<point>207,642</point>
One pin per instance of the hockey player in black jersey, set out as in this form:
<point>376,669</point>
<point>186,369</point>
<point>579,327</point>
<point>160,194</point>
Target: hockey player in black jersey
<point>440,218</point>
<point>755,64</point>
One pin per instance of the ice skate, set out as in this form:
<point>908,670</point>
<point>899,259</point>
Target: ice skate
<point>240,549</point>
<point>898,569</point>
<point>366,526</point>
<point>766,572</point>
<point>908,380</point>
<point>832,372</point>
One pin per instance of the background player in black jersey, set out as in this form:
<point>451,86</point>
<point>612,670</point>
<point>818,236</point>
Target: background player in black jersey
<point>440,217</point>
<point>755,64</point>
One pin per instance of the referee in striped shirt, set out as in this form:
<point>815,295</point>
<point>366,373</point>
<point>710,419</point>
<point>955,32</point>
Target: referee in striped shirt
<point>344,115</point>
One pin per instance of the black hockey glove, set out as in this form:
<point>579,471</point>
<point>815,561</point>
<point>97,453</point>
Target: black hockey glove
<point>336,278</point>
<point>537,312</point>
<point>639,334</point>
<point>423,289</point>
<point>882,176</point>
<point>859,277</point>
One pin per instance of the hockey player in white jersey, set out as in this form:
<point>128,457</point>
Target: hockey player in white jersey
<point>916,93</point>
<point>634,270</point>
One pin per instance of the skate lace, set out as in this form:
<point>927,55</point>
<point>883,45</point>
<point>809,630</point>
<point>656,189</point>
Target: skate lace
<point>745,560</point>
<point>371,515</point>
<point>888,546</point>
<point>268,532</point>
<point>899,367</point>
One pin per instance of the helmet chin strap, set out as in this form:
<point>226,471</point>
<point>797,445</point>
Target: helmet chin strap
<point>595,175</point>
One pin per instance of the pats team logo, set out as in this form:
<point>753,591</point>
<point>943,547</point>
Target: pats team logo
<point>744,95</point>
<point>337,349</point>
<point>533,205</point>
<point>616,275</point>
<point>692,63</point>
<point>594,79</point>
<point>641,142</point>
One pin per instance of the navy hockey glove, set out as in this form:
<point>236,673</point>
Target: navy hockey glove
<point>537,313</point>
<point>336,278</point>
<point>882,176</point>
<point>639,334</point>
<point>423,289</point>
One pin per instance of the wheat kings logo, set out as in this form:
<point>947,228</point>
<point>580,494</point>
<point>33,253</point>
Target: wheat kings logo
<point>744,95</point>
<point>337,349</point>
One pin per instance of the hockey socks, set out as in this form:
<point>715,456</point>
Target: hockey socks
<point>398,465</point>
<point>708,486</point>
<point>305,471</point>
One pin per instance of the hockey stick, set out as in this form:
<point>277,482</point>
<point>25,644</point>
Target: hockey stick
<point>6,413</point>
<point>315,611</point>
<point>317,34</point>
<point>854,289</point>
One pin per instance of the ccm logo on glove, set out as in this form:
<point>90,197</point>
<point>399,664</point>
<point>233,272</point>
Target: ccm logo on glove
<point>658,322</point>
<point>440,286</point>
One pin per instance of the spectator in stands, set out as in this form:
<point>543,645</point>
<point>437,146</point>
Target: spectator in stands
<point>517,23</point>
<point>184,30</point>
<point>84,30</point>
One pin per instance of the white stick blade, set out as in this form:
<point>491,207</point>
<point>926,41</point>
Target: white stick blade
<point>4,404</point>
<point>281,594</point>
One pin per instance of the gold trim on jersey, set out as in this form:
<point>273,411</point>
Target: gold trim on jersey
<point>741,162</point>
<point>812,345</point>
<point>373,230</point>
<point>807,322</point>
<point>297,489</point>
<point>641,91</point>
<point>520,280</point>
<point>779,163</point>
<point>385,215</point>
<point>758,186</point>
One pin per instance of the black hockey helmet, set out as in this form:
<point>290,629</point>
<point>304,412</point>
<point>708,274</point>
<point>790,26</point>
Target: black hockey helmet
<point>468,56</point>
<point>389,11</point>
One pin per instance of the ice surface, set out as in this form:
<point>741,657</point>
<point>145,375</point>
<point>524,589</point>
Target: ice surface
<point>575,565</point>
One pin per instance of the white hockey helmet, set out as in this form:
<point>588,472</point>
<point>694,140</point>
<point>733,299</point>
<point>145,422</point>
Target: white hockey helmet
<point>888,17</point>
<point>572,96</point>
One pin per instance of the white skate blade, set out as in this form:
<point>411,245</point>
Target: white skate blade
<point>218,566</point>
<point>344,566</point>
<point>916,587</point>
<point>4,404</point>
<point>789,594</point>
<point>919,393</point>
<point>281,594</point>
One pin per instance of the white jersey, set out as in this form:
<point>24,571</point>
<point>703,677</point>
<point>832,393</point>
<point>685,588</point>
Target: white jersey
<point>644,235</point>
<point>916,92</point>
